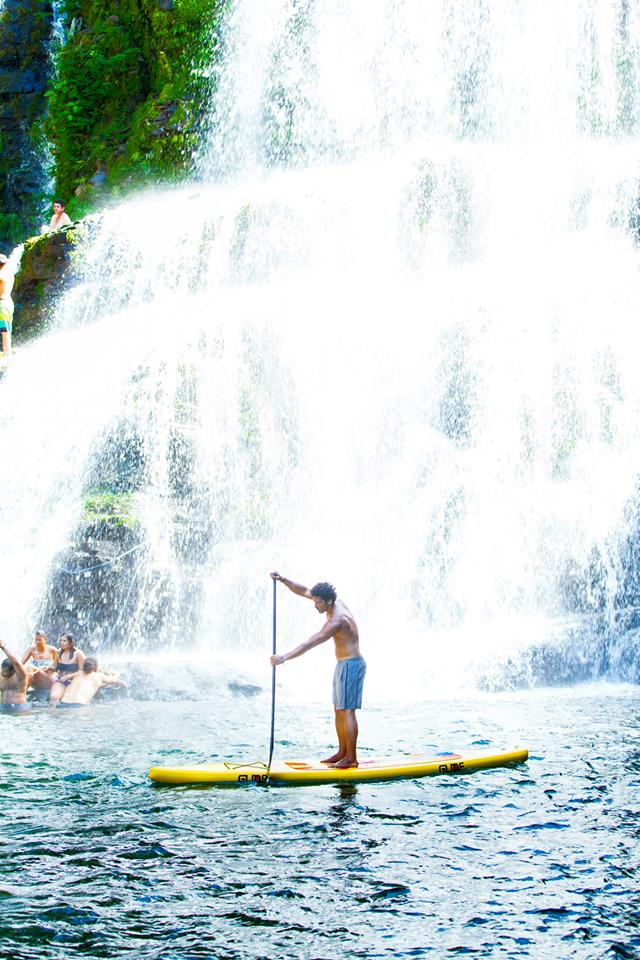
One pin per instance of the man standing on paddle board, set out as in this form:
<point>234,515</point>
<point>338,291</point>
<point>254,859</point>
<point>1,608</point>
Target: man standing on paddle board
<point>348,678</point>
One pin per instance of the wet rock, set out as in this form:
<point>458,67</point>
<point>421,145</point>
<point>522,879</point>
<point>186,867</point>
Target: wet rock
<point>25,69</point>
<point>244,689</point>
<point>46,271</point>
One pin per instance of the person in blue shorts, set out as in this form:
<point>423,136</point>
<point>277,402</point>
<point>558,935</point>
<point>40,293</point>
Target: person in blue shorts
<point>350,669</point>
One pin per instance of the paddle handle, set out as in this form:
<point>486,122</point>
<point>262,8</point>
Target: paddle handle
<point>273,685</point>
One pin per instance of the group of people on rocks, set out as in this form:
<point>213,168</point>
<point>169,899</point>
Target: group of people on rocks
<point>62,675</point>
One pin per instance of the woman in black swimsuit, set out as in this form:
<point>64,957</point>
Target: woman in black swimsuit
<point>70,660</point>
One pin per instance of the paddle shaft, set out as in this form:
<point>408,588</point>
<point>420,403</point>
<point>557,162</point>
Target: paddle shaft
<point>273,686</point>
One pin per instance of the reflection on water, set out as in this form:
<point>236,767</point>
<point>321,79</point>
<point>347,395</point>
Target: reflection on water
<point>535,861</point>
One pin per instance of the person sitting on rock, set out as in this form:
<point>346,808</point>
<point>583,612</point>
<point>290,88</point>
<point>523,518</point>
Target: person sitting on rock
<point>44,660</point>
<point>13,684</point>
<point>59,219</point>
<point>7,276</point>
<point>86,683</point>
<point>70,661</point>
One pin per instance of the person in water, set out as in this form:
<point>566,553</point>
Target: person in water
<point>44,660</point>
<point>13,683</point>
<point>350,669</point>
<point>70,661</point>
<point>7,276</point>
<point>86,683</point>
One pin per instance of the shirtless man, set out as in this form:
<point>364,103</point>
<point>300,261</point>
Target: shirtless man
<point>13,682</point>
<point>86,683</point>
<point>44,659</point>
<point>60,217</point>
<point>7,276</point>
<point>350,668</point>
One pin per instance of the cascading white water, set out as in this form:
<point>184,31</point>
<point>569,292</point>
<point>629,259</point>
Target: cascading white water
<point>389,340</point>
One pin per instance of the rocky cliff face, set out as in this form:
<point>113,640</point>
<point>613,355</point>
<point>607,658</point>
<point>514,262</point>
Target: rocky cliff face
<point>25,73</point>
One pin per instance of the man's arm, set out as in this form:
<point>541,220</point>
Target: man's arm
<point>329,630</point>
<point>18,667</point>
<point>110,679</point>
<point>296,588</point>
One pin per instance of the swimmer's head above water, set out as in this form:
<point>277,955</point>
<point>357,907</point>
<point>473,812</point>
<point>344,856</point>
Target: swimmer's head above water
<point>7,669</point>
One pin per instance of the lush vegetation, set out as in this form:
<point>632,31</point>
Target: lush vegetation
<point>132,86</point>
<point>114,510</point>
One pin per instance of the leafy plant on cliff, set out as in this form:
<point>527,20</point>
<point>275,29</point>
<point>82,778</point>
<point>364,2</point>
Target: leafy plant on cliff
<point>132,86</point>
<point>110,508</point>
<point>101,81</point>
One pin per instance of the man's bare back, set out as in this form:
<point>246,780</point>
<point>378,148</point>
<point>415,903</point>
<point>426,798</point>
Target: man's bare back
<point>346,639</point>
<point>7,278</point>
<point>86,683</point>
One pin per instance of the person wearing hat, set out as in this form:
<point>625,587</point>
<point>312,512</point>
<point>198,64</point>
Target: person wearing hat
<point>7,275</point>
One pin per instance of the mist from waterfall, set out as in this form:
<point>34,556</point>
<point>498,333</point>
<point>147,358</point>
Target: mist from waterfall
<point>387,338</point>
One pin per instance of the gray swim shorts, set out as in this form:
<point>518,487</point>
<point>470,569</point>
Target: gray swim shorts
<point>348,681</point>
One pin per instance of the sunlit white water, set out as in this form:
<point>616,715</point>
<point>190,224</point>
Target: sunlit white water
<point>388,340</point>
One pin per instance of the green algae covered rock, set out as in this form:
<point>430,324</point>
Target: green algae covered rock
<point>46,270</point>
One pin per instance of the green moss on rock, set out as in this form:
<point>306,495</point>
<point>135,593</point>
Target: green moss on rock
<point>46,268</point>
<point>110,509</point>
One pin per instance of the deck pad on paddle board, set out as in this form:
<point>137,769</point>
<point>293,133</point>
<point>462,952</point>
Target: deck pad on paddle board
<point>303,771</point>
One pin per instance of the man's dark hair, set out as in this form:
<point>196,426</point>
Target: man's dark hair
<point>90,665</point>
<point>325,591</point>
<point>61,202</point>
<point>7,665</point>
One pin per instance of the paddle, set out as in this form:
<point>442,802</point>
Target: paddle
<point>273,685</point>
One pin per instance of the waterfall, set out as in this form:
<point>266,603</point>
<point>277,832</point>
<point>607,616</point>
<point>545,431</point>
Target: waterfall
<point>387,339</point>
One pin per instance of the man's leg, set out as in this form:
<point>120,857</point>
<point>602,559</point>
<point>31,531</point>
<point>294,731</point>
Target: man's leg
<point>342,740</point>
<point>349,726</point>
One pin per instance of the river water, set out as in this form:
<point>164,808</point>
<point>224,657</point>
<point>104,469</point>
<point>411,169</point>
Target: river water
<point>535,861</point>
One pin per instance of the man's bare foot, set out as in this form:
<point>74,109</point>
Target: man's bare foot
<point>344,763</point>
<point>334,758</point>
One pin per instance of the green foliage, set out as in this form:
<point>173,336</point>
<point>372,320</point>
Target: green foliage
<point>132,84</point>
<point>114,509</point>
<point>101,81</point>
<point>11,226</point>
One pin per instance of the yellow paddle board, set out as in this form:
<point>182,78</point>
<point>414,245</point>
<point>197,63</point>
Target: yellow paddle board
<point>312,771</point>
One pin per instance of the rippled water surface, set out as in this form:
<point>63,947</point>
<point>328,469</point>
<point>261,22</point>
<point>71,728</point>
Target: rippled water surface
<point>535,861</point>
